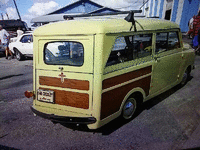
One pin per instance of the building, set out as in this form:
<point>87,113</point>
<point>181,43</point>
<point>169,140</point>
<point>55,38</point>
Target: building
<point>79,7</point>
<point>179,11</point>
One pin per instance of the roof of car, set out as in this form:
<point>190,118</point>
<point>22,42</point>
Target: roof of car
<point>97,26</point>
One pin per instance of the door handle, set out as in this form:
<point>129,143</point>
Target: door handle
<point>182,56</point>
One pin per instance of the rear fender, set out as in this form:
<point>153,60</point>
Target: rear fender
<point>138,89</point>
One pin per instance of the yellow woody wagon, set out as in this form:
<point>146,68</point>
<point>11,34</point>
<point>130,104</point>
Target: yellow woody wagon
<point>91,71</point>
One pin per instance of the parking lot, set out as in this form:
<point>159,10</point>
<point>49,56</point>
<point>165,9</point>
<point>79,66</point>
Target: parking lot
<point>168,121</point>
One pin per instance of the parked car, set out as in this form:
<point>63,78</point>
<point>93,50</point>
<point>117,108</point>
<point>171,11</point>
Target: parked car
<point>88,75</point>
<point>11,26</point>
<point>22,47</point>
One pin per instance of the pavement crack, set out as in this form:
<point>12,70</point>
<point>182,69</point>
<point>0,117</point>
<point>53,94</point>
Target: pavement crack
<point>10,76</point>
<point>3,136</point>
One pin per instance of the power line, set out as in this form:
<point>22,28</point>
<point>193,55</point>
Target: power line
<point>124,7</point>
<point>142,4</point>
<point>131,6</point>
<point>17,10</point>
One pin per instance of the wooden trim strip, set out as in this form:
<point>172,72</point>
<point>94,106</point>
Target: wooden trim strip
<point>73,99</point>
<point>110,82</point>
<point>125,83</point>
<point>68,83</point>
<point>112,100</point>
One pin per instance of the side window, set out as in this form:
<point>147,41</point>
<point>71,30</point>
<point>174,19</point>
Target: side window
<point>167,41</point>
<point>130,48</point>
<point>173,41</point>
<point>27,39</point>
<point>161,42</point>
<point>24,39</point>
<point>31,38</point>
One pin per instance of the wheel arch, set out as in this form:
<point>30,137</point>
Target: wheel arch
<point>18,54</point>
<point>15,49</point>
<point>182,81</point>
<point>138,93</point>
<point>189,68</point>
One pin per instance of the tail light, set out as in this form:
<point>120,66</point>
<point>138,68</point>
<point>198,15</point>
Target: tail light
<point>29,94</point>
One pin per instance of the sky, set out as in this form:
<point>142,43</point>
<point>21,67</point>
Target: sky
<point>29,9</point>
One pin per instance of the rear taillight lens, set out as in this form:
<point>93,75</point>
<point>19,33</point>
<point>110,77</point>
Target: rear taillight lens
<point>28,94</point>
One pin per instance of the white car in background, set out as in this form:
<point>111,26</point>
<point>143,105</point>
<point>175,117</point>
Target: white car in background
<point>22,46</point>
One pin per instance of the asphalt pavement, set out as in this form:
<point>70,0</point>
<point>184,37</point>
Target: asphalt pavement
<point>169,121</point>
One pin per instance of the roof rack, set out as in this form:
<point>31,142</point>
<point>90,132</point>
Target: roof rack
<point>101,14</point>
<point>129,18</point>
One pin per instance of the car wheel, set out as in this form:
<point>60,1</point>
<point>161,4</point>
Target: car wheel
<point>19,56</point>
<point>129,108</point>
<point>185,78</point>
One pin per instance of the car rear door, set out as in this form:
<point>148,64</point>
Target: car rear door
<point>64,73</point>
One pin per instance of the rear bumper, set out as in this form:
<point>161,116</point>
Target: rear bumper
<point>63,119</point>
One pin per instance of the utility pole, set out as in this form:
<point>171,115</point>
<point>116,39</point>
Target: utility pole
<point>17,9</point>
<point>7,16</point>
<point>2,16</point>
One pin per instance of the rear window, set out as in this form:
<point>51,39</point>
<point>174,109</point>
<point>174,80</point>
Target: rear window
<point>64,53</point>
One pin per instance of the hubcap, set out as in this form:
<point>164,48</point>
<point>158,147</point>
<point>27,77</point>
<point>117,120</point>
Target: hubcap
<point>129,107</point>
<point>18,55</point>
<point>184,78</point>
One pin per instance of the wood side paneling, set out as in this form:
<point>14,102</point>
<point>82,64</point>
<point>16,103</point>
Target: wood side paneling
<point>112,100</point>
<point>125,77</point>
<point>73,99</point>
<point>68,83</point>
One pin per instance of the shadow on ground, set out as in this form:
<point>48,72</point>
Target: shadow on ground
<point>2,55</point>
<point>7,148</point>
<point>10,76</point>
<point>24,59</point>
<point>197,148</point>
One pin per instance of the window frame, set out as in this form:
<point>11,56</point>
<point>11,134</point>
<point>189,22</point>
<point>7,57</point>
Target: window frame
<point>28,37</point>
<point>132,36</point>
<point>44,48</point>
<point>167,43</point>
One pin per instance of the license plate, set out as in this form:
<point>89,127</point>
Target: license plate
<point>46,96</point>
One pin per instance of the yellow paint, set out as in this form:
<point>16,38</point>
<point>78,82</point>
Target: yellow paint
<point>98,38</point>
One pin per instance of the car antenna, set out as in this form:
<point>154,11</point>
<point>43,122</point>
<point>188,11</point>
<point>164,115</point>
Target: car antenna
<point>130,18</point>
